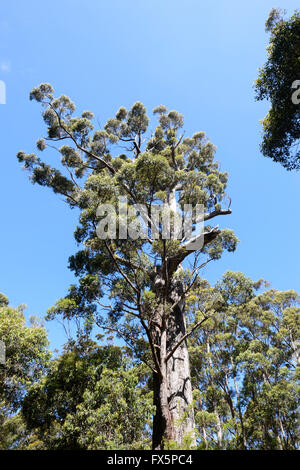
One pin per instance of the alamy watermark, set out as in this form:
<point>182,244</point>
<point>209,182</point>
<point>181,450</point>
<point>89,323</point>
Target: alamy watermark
<point>2,92</point>
<point>161,222</point>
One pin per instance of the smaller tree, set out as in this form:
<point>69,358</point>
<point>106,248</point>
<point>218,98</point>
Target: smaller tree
<point>26,360</point>
<point>245,366</point>
<point>92,398</point>
<point>279,82</point>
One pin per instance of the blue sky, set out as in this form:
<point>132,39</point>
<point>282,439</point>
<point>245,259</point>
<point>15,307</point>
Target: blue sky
<point>200,58</point>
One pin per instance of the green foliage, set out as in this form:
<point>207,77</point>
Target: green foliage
<point>245,375</point>
<point>126,285</point>
<point>281,125</point>
<point>245,363</point>
<point>91,398</point>
<point>3,300</point>
<point>27,358</point>
<point>27,355</point>
<point>91,172</point>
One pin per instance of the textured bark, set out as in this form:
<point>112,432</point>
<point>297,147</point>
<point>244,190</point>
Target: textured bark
<point>162,423</point>
<point>159,424</point>
<point>163,428</point>
<point>178,421</point>
<point>178,373</point>
<point>167,330</point>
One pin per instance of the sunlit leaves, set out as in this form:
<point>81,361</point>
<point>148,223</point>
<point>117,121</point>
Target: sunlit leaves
<point>281,125</point>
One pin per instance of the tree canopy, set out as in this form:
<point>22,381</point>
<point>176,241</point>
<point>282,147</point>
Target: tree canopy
<point>26,360</point>
<point>245,366</point>
<point>133,286</point>
<point>245,375</point>
<point>92,397</point>
<point>279,82</point>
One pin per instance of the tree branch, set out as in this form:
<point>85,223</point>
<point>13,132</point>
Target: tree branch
<point>170,354</point>
<point>116,330</point>
<point>119,269</point>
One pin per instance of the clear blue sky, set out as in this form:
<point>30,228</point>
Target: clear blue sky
<point>200,58</point>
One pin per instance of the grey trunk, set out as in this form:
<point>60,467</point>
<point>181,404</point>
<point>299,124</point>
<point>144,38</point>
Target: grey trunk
<point>178,373</point>
<point>178,382</point>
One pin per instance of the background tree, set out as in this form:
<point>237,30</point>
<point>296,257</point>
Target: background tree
<point>93,397</point>
<point>27,358</point>
<point>278,80</point>
<point>139,283</point>
<point>245,366</point>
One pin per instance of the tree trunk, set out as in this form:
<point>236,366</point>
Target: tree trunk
<point>163,429</point>
<point>180,421</point>
<point>178,373</point>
